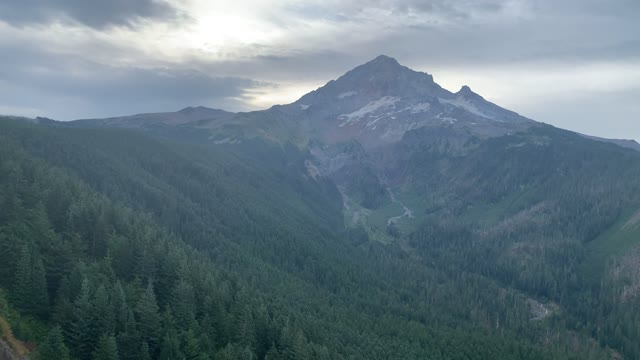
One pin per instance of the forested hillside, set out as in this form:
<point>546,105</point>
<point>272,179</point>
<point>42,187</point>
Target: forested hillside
<point>120,245</point>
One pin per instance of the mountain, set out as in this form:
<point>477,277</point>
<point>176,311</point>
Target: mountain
<point>377,217</point>
<point>178,118</point>
<point>375,104</point>
<point>378,102</point>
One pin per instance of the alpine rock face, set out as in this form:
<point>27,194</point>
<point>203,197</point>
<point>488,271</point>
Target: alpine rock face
<point>358,127</point>
<point>378,102</point>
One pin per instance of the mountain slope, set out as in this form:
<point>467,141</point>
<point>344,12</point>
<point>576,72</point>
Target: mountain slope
<point>408,155</point>
<point>282,265</point>
<point>380,216</point>
<point>631,144</point>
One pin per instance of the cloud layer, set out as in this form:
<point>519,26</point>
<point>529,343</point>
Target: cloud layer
<point>573,63</point>
<point>93,13</point>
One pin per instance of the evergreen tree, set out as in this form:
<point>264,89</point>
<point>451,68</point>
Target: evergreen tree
<point>22,284</point>
<point>4,304</point>
<point>191,347</point>
<point>103,312</point>
<point>53,346</point>
<point>235,352</point>
<point>120,307</point>
<point>273,353</point>
<point>30,284</point>
<point>10,252</point>
<point>148,318</point>
<point>81,332</point>
<point>183,304</point>
<point>144,352</point>
<point>129,338</point>
<point>170,349</point>
<point>107,349</point>
<point>39,290</point>
<point>58,258</point>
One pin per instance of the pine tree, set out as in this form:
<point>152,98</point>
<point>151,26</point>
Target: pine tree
<point>4,304</point>
<point>39,290</point>
<point>107,349</point>
<point>30,283</point>
<point>22,281</point>
<point>148,318</point>
<point>129,338</point>
<point>103,314</point>
<point>192,350</point>
<point>58,262</point>
<point>170,349</point>
<point>183,304</point>
<point>235,352</point>
<point>273,353</point>
<point>145,267</point>
<point>53,346</point>
<point>294,344</point>
<point>120,306</point>
<point>81,332</point>
<point>300,347</point>
<point>207,334</point>
<point>10,251</point>
<point>144,352</point>
<point>245,332</point>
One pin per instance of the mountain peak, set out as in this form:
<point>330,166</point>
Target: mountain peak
<point>381,77</point>
<point>384,64</point>
<point>190,109</point>
<point>466,90</point>
<point>384,59</point>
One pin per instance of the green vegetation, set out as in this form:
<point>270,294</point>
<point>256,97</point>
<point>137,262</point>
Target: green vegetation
<point>118,245</point>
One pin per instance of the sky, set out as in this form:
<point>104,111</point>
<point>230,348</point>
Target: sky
<point>570,63</point>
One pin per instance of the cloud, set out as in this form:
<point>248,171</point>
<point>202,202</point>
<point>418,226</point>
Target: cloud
<point>93,13</point>
<point>65,87</point>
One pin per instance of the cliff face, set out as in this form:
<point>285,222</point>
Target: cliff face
<point>7,354</point>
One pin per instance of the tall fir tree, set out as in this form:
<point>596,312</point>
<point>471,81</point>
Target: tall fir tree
<point>170,348</point>
<point>81,332</point>
<point>129,338</point>
<point>53,346</point>
<point>148,318</point>
<point>144,351</point>
<point>107,349</point>
<point>39,289</point>
<point>183,304</point>
<point>21,291</point>
<point>103,312</point>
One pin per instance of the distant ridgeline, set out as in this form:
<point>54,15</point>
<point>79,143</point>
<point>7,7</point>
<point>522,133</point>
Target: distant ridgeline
<point>378,217</point>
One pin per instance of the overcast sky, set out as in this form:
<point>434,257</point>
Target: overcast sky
<point>570,63</point>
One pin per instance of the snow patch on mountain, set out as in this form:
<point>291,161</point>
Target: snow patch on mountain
<point>463,103</point>
<point>418,108</point>
<point>384,103</point>
<point>447,119</point>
